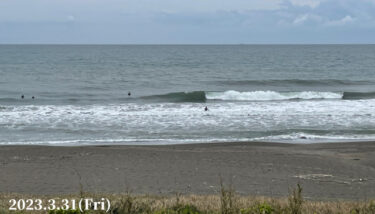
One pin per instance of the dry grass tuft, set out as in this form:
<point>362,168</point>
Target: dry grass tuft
<point>227,202</point>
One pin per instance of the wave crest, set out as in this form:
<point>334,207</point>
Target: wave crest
<point>271,95</point>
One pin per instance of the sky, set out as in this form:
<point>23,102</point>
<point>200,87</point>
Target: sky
<point>187,21</point>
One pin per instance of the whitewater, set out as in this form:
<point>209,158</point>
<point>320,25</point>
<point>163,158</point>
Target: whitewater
<point>169,123</point>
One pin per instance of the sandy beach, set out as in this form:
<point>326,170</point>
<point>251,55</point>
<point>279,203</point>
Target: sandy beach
<point>326,171</point>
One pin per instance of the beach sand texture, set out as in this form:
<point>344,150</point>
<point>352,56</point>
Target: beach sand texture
<point>326,171</point>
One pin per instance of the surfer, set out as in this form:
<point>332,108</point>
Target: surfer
<point>22,96</point>
<point>206,109</point>
<point>129,94</point>
<point>32,97</point>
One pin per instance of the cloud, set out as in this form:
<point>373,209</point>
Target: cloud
<point>307,17</point>
<point>300,19</point>
<point>315,19</point>
<point>308,3</point>
<point>186,21</point>
<point>346,20</point>
<point>200,5</point>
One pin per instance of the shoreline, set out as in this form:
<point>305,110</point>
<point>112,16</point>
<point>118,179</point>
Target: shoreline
<point>325,170</point>
<point>134,144</point>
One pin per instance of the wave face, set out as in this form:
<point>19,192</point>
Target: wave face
<point>271,95</point>
<point>358,95</point>
<point>195,96</point>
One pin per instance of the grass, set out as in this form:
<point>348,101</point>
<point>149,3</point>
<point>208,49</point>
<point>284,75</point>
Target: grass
<point>227,202</point>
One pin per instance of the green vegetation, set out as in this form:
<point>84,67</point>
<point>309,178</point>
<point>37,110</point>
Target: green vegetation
<point>227,202</point>
<point>295,200</point>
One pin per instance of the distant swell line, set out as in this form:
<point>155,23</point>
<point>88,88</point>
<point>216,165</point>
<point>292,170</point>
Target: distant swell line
<point>281,82</point>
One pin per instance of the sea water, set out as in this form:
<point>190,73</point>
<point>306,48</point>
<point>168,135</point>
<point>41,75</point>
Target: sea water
<point>288,93</point>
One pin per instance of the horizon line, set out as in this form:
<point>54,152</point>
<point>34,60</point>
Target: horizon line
<point>157,44</point>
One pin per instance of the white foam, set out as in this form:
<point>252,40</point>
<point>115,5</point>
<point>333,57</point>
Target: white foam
<point>299,136</point>
<point>186,122</point>
<point>125,141</point>
<point>271,95</point>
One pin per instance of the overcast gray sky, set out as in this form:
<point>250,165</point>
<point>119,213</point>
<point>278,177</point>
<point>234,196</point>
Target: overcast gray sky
<point>187,21</point>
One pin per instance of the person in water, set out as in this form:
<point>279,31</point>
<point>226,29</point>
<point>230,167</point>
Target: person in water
<point>129,94</point>
<point>206,109</point>
<point>32,97</point>
<point>22,96</point>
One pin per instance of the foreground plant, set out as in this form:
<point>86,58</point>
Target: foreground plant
<point>226,202</point>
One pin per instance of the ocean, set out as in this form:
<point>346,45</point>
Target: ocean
<point>277,93</point>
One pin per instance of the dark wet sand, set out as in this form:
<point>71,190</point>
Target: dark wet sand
<point>326,171</point>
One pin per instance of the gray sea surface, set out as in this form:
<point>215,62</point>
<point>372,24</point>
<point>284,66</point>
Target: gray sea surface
<point>292,93</point>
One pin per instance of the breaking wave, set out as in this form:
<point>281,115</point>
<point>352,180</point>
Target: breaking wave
<point>271,95</point>
<point>231,95</point>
